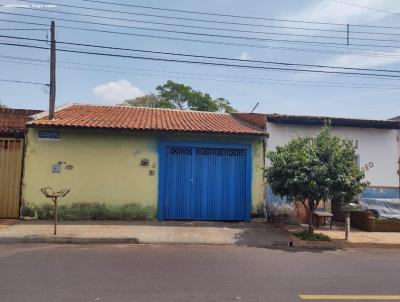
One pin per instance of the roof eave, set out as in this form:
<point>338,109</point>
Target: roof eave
<point>335,122</point>
<point>257,134</point>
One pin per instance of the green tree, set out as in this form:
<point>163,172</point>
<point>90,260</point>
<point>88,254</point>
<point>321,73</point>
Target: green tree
<point>310,169</point>
<point>179,96</point>
<point>142,101</point>
<point>3,106</point>
<point>224,105</point>
<point>149,100</point>
<point>183,97</point>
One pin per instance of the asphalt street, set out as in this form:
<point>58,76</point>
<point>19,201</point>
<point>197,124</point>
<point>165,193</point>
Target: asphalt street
<point>193,273</point>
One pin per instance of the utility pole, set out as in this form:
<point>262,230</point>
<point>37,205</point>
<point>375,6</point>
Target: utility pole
<point>52,94</point>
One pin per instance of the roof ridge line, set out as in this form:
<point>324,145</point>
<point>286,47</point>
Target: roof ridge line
<point>150,108</point>
<point>46,113</point>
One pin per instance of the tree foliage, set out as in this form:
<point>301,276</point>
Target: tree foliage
<point>311,169</point>
<point>179,96</point>
<point>3,106</point>
<point>149,100</point>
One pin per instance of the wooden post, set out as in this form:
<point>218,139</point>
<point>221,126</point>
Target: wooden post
<point>347,225</point>
<point>55,215</point>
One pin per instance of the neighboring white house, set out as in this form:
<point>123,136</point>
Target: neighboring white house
<point>377,145</point>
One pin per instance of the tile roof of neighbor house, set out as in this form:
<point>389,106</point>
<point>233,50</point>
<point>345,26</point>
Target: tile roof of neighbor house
<point>257,119</point>
<point>335,121</point>
<point>12,121</point>
<point>140,118</point>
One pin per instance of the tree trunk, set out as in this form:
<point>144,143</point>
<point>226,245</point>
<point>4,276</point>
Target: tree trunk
<point>311,222</point>
<point>310,213</point>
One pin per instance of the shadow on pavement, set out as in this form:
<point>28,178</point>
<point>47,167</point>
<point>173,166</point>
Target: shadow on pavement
<point>276,238</point>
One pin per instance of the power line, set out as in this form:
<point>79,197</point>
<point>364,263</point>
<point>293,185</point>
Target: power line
<point>221,14</point>
<point>197,33</point>
<point>23,82</point>
<point>23,29</point>
<point>363,6</point>
<point>205,20</point>
<point>215,28</point>
<point>179,18</point>
<point>183,73</point>
<point>208,13</point>
<point>206,77</point>
<point>197,27</point>
<point>218,28</point>
<point>208,63</point>
<point>219,35</point>
<point>204,57</point>
<point>216,42</point>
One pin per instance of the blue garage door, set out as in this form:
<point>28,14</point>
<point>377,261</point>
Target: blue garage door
<point>204,183</point>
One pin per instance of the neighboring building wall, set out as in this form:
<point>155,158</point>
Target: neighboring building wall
<point>377,146</point>
<point>106,166</point>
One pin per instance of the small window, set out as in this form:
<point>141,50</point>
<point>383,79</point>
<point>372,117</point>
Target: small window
<point>3,144</point>
<point>10,144</point>
<point>49,135</point>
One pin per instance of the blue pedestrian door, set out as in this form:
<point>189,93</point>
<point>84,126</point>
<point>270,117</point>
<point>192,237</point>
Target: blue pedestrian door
<point>204,183</point>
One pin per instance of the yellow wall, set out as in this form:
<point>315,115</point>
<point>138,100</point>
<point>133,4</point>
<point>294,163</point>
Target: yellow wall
<point>106,165</point>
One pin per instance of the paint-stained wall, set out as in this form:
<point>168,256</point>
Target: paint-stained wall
<point>104,166</point>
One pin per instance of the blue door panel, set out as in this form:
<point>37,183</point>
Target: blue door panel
<point>178,190</point>
<point>204,183</point>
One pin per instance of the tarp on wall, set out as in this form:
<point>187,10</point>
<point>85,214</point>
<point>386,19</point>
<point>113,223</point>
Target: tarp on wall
<point>384,207</point>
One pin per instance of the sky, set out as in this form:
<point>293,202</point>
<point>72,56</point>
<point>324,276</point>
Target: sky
<point>91,79</point>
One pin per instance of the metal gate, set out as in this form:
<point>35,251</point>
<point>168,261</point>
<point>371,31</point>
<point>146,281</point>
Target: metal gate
<point>205,182</point>
<point>10,176</point>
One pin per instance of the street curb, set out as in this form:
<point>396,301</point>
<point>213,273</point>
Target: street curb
<point>68,240</point>
<point>338,244</point>
<point>106,240</point>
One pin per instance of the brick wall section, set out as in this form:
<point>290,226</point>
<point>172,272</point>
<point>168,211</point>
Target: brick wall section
<point>12,121</point>
<point>256,119</point>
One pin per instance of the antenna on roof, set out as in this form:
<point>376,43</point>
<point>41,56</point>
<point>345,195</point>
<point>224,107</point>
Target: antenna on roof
<point>254,108</point>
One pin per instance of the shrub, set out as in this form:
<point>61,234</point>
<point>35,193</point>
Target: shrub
<point>91,211</point>
<point>305,235</point>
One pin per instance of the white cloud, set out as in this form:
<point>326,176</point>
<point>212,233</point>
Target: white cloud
<point>245,56</point>
<point>366,62</point>
<point>117,91</point>
<point>335,12</point>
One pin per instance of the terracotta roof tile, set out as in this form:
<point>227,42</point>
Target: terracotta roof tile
<point>13,120</point>
<point>257,119</point>
<point>138,118</point>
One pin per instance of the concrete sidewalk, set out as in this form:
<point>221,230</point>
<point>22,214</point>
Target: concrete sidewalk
<point>357,238</point>
<point>207,233</point>
<point>361,237</point>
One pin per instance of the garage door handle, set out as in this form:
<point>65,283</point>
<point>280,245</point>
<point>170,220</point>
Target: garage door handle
<point>191,180</point>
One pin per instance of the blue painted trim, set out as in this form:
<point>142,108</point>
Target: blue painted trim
<point>162,174</point>
<point>249,180</point>
<point>161,177</point>
<point>380,192</point>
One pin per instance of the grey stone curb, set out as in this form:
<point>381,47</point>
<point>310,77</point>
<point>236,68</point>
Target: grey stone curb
<point>297,243</point>
<point>105,240</point>
<point>72,240</point>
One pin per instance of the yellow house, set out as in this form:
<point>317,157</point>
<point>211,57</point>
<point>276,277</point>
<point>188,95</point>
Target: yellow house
<point>132,162</point>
